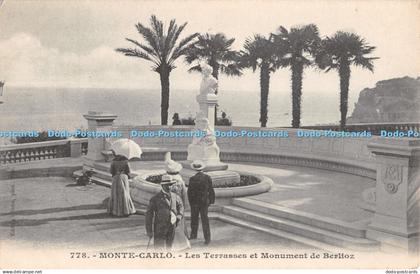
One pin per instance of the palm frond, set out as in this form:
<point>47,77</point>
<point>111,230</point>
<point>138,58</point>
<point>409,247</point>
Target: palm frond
<point>346,48</point>
<point>182,47</point>
<point>159,47</point>
<point>147,49</point>
<point>151,38</point>
<point>231,70</point>
<point>258,50</point>
<point>282,31</point>
<point>216,50</point>
<point>364,62</point>
<point>173,38</point>
<point>134,53</point>
<point>157,25</point>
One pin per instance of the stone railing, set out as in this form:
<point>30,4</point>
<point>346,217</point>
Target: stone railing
<point>42,150</point>
<point>374,128</point>
<point>349,155</point>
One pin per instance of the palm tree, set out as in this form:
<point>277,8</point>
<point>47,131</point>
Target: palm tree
<point>339,52</point>
<point>300,45</point>
<point>216,49</point>
<point>160,48</point>
<point>260,52</point>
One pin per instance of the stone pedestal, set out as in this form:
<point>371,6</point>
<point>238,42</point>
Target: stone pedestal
<point>395,223</point>
<point>205,148</point>
<point>98,121</point>
<point>207,104</point>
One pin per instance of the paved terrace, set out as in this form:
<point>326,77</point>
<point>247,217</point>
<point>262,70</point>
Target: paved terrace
<point>54,209</point>
<point>322,192</point>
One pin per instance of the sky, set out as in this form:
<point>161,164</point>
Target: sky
<point>72,43</point>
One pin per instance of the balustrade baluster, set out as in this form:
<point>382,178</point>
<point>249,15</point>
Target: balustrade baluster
<point>18,156</point>
<point>25,155</point>
<point>37,156</point>
<point>31,155</point>
<point>42,153</point>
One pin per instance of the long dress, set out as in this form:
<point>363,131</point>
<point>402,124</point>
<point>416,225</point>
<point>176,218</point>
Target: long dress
<point>120,203</point>
<point>181,241</point>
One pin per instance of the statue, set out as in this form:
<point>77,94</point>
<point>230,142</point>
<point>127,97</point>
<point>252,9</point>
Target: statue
<point>202,124</point>
<point>204,147</point>
<point>208,83</point>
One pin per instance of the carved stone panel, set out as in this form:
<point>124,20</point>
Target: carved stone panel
<point>392,178</point>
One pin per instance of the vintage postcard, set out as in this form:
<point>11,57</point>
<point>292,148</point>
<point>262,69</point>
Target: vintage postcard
<point>209,134</point>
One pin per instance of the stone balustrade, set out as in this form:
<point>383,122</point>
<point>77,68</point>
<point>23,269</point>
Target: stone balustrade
<point>42,150</point>
<point>349,155</point>
<point>374,128</point>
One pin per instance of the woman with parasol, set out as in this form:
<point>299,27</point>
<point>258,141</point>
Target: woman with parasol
<point>120,203</point>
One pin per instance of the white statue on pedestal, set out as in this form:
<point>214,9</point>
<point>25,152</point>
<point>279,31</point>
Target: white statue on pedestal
<point>208,83</point>
<point>204,147</point>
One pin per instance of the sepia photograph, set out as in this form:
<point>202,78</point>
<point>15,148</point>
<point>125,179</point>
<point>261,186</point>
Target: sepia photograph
<point>225,134</point>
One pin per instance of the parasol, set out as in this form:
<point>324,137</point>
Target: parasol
<point>127,148</point>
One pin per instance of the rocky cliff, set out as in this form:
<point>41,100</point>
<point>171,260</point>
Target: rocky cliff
<point>393,100</point>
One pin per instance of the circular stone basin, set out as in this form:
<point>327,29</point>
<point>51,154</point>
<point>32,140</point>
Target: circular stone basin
<point>245,180</point>
<point>145,186</point>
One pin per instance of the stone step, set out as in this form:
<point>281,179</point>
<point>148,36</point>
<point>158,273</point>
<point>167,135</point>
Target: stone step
<point>313,220</point>
<point>310,243</point>
<point>102,166</point>
<point>103,175</point>
<point>102,171</point>
<point>101,182</point>
<point>301,229</point>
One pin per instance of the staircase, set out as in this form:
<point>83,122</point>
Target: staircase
<point>305,228</point>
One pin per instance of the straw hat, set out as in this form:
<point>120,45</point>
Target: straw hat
<point>198,165</point>
<point>167,180</point>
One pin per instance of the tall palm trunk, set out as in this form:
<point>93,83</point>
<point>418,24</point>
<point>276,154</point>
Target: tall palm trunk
<point>297,74</point>
<point>164,105</point>
<point>265,86</point>
<point>344,72</point>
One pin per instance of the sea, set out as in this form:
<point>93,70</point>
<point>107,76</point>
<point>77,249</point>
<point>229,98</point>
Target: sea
<point>27,109</point>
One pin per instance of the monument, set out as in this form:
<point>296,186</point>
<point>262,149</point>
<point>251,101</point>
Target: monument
<point>204,146</point>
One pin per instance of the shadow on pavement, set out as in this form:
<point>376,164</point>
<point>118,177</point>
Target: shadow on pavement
<point>36,222</point>
<point>55,210</point>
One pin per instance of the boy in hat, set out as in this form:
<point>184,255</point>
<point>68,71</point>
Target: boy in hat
<point>201,196</point>
<point>164,212</point>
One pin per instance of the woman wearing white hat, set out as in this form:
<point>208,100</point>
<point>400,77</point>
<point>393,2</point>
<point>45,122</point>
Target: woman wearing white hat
<point>173,168</point>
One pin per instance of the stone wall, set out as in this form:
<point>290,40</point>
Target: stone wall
<point>349,155</point>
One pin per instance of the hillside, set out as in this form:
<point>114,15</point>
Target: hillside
<point>393,100</point>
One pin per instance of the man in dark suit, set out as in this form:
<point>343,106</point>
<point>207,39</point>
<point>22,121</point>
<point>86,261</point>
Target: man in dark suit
<point>164,212</point>
<point>201,196</point>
